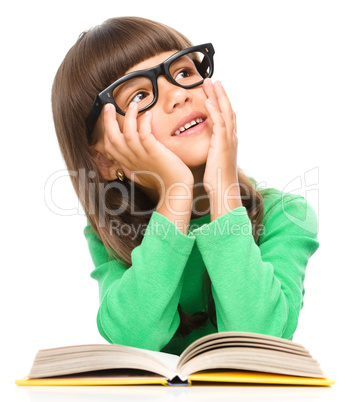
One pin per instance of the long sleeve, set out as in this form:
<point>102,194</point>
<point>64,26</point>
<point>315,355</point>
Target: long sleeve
<point>138,305</point>
<point>259,288</point>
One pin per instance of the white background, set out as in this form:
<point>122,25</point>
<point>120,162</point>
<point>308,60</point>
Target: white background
<point>293,72</point>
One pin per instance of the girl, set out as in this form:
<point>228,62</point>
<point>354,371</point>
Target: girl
<point>184,244</point>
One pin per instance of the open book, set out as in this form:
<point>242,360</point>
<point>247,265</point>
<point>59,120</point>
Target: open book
<point>220,357</point>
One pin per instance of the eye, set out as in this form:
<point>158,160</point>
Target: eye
<point>182,74</point>
<point>139,97</point>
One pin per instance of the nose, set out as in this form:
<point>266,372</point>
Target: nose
<point>172,96</point>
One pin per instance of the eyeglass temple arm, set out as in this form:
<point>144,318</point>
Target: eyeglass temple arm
<point>93,116</point>
<point>203,66</point>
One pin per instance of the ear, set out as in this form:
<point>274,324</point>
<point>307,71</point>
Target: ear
<point>107,168</point>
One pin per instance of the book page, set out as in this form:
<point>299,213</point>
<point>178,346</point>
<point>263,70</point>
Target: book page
<point>247,351</point>
<point>167,359</point>
<point>252,359</point>
<point>217,340</point>
<point>83,358</point>
<point>241,342</point>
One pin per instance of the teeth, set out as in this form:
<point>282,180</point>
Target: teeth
<point>188,125</point>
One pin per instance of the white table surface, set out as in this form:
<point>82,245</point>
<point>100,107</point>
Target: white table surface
<point>336,392</point>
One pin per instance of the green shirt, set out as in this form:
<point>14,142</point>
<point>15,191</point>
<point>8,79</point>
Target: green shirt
<point>256,287</point>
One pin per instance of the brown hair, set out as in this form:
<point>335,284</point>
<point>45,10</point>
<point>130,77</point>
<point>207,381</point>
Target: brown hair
<point>100,56</point>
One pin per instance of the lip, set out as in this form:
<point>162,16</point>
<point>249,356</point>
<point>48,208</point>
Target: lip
<point>186,119</point>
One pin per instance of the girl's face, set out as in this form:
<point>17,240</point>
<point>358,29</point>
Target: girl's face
<point>168,114</point>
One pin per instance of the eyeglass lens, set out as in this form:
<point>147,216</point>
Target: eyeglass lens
<point>189,69</point>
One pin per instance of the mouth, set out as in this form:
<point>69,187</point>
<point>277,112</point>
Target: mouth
<point>190,124</point>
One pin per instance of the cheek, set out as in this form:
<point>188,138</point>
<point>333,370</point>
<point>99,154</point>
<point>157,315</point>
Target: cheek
<point>200,94</point>
<point>158,129</point>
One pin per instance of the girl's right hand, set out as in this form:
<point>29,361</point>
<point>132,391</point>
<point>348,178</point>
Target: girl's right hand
<point>136,149</point>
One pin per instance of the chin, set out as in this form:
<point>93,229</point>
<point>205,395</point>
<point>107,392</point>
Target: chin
<point>197,156</point>
<point>196,162</point>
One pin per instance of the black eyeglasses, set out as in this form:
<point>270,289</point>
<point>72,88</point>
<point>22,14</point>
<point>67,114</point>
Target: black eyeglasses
<point>187,68</point>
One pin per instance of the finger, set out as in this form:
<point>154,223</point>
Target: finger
<point>220,100</point>
<point>235,126</point>
<point>145,130</point>
<point>113,139</point>
<point>225,107</point>
<point>130,127</point>
<point>210,92</point>
<point>110,122</point>
<point>130,131</point>
<point>216,117</point>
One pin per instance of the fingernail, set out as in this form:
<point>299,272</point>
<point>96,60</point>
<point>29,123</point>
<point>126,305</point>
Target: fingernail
<point>218,83</point>
<point>132,104</point>
<point>107,107</point>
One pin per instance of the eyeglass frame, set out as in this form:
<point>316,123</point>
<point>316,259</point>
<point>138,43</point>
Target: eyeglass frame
<point>106,96</point>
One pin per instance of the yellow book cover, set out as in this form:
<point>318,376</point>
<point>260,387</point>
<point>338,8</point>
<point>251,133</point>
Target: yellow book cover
<point>202,378</point>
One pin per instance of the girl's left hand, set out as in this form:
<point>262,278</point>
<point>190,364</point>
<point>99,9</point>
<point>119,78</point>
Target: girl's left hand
<point>221,166</point>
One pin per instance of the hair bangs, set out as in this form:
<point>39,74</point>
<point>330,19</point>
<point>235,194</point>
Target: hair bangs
<point>119,44</point>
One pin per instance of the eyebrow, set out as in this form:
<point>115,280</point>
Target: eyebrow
<point>183,58</point>
<point>130,82</point>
